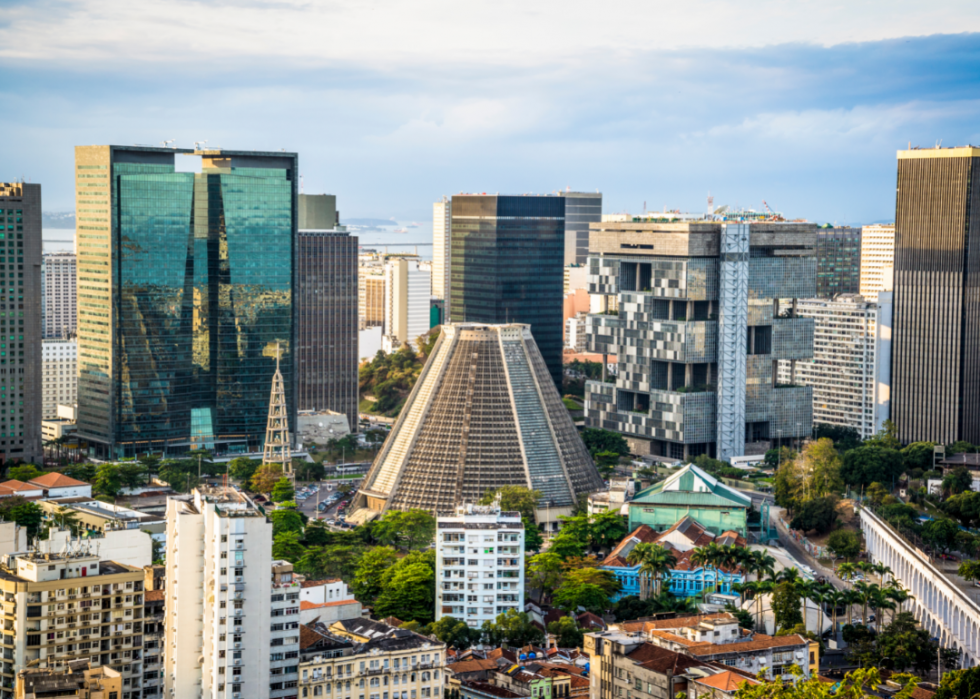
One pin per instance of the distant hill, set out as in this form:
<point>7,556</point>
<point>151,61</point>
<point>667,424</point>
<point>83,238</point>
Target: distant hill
<point>368,222</point>
<point>57,219</point>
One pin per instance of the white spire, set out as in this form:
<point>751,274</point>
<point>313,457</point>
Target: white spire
<point>277,448</point>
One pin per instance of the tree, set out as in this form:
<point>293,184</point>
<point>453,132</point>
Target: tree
<point>410,596</point>
<point>786,486</point>
<point>283,490</point>
<point>265,478</point>
<point>66,518</point>
<point>919,455</point>
<point>533,541</point>
<point>655,562</point>
<point>572,595</point>
<point>27,514</point>
<point>514,498</point>
<point>819,514</point>
<point>406,529</point>
<point>744,617</point>
<point>25,472</point>
<point>870,464</point>
<point>107,480</point>
<point>941,534</point>
<point>606,529</point>
<point>132,475</point>
<point>604,579</point>
<point>844,438</point>
<point>597,440</point>
<point>965,507</point>
<point>454,633</point>
<point>337,561</point>
<point>513,627</point>
<point>371,569</point>
<point>957,481</point>
<point>285,520</point>
<point>959,684</point>
<point>567,545</point>
<point>876,493</point>
<point>544,572</point>
<point>567,632</point>
<point>901,646</point>
<point>887,438</point>
<point>82,472</point>
<point>629,608</point>
<point>786,606</point>
<point>286,546</point>
<point>818,470</point>
<point>844,543</point>
<point>606,462</point>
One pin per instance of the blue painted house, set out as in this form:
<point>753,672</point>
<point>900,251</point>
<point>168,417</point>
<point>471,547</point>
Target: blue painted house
<point>685,580</point>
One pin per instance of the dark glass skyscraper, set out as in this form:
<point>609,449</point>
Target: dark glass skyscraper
<point>184,290</point>
<point>838,261</point>
<point>507,266</point>
<point>936,350</point>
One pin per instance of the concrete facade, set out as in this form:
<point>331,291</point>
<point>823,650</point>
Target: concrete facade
<point>59,376</point>
<point>442,220</point>
<point>406,303</point>
<point>877,259</point>
<point>58,312</point>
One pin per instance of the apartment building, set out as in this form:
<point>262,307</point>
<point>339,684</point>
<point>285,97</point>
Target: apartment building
<point>154,636</point>
<point>59,376</point>
<point>479,564</point>
<point>58,314</point>
<point>397,663</point>
<point>70,606</point>
<point>406,302</point>
<point>849,384</point>
<point>76,681</point>
<point>442,218</point>
<point>877,260</point>
<point>219,597</point>
<point>284,631</point>
<point>838,261</point>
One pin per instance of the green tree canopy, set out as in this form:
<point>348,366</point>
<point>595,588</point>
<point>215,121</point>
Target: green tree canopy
<point>513,627</point>
<point>597,440</point>
<point>514,498</point>
<point>410,595</point>
<point>107,480</point>
<point>941,534</point>
<point>919,455</point>
<point>844,543</point>
<point>959,684</point>
<point>455,633</point>
<point>286,546</point>
<point>872,463</point>
<point>371,570</point>
<point>816,515</point>
<point>567,632</point>
<point>283,490</point>
<point>406,529</point>
<point>243,468</point>
<point>337,561</point>
<point>965,507</point>
<point>786,605</point>
<point>25,513</point>
<point>24,472</point>
<point>957,481</point>
<point>887,438</point>
<point>285,521</point>
<point>844,438</point>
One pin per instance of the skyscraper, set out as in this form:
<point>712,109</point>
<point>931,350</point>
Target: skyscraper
<point>581,209</point>
<point>406,302</point>
<point>483,414</point>
<point>185,287</point>
<point>936,350</point>
<point>507,266</point>
<point>442,219</point>
<point>838,261</point>
<point>698,316</point>
<point>326,333</point>
<point>58,291</point>
<point>20,322</point>
<point>877,259</point>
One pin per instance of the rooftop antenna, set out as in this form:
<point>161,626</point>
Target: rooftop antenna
<point>300,184</point>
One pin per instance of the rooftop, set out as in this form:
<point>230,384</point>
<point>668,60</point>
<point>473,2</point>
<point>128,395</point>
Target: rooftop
<point>725,681</point>
<point>56,480</point>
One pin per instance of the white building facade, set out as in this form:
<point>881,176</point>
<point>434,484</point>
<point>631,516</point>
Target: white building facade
<point>848,387</point>
<point>219,588</point>
<point>442,217</point>
<point>575,334</point>
<point>407,295</point>
<point>479,564</point>
<point>59,315</point>
<point>877,259</point>
<point>59,376</point>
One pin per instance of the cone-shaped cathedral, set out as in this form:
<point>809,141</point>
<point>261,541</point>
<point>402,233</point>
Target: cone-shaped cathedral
<point>484,413</point>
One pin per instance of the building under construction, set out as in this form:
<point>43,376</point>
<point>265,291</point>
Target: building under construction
<point>485,413</point>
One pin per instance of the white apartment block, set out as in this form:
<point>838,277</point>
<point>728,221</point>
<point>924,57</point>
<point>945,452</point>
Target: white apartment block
<point>58,295</point>
<point>284,631</point>
<point>407,302</point>
<point>442,219</point>
<point>848,387</point>
<point>72,605</point>
<point>877,260</point>
<point>59,376</point>
<point>479,564</point>
<point>575,334</point>
<point>219,591</point>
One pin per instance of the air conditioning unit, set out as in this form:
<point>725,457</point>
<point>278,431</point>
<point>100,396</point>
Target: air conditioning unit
<point>237,695</point>
<point>238,645</point>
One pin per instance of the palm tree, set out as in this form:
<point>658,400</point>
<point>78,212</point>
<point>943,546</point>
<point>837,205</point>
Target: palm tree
<point>899,596</point>
<point>705,556</point>
<point>881,570</point>
<point>807,591</point>
<point>835,598</point>
<point>846,570</point>
<point>787,575</point>
<point>879,603</point>
<point>654,561</point>
<point>67,519</point>
<point>761,562</point>
<point>763,587</point>
<point>851,597</point>
<point>866,592</point>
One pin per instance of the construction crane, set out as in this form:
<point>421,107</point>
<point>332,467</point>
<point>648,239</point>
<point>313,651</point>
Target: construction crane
<point>771,212</point>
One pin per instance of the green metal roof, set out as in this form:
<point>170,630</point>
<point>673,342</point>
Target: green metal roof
<point>691,486</point>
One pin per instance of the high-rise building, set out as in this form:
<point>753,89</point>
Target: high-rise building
<point>407,304</point>
<point>479,564</point>
<point>483,414</point>
<point>318,212</point>
<point>69,606</point>
<point>845,368</point>
<point>581,209</point>
<point>936,357</point>
<point>877,259</point>
<point>442,219</point>
<point>232,622</point>
<point>705,313</point>
<point>507,266</point>
<point>370,297</point>
<point>58,311</point>
<point>185,287</point>
<point>838,261</point>
<point>326,332</point>
<point>20,322</point>
<point>59,376</point>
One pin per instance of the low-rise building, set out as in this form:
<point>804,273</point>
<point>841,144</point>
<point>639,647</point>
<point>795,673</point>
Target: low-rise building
<point>101,517</point>
<point>133,547</point>
<point>76,681</point>
<point>397,663</point>
<point>620,492</point>
<point>57,485</point>
<point>327,601</point>
<point>17,488</point>
<point>479,564</point>
<point>685,579</point>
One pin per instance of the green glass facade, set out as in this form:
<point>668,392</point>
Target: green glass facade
<point>838,261</point>
<point>507,266</point>
<point>200,293</point>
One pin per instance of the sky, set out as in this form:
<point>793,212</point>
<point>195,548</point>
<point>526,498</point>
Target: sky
<point>392,105</point>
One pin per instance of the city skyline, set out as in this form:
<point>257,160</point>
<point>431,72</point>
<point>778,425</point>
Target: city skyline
<point>761,93</point>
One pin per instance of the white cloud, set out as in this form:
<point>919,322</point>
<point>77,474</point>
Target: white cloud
<point>395,33</point>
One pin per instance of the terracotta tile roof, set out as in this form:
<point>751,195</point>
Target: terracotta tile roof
<point>643,534</point>
<point>921,693</point>
<point>392,621</point>
<point>662,660</point>
<point>758,642</point>
<point>675,623</point>
<point>16,486</point>
<point>154,595</point>
<point>590,621</point>
<point>578,681</point>
<point>476,665</point>
<point>673,637</point>
<point>56,480</point>
<point>488,688</point>
<point>553,615</point>
<point>725,681</point>
<point>698,535</point>
<point>318,583</point>
<point>307,636</point>
<point>504,653</point>
<point>319,605</point>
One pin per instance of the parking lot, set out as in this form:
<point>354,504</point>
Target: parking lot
<point>306,498</point>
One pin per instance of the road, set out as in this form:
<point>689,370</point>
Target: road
<point>308,506</point>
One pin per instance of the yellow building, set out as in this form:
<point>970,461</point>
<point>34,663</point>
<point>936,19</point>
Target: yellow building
<point>77,680</point>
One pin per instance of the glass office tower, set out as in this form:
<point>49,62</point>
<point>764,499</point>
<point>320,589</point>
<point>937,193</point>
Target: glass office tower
<point>184,290</point>
<point>507,266</point>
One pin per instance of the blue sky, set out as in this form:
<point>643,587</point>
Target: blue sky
<point>393,104</point>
